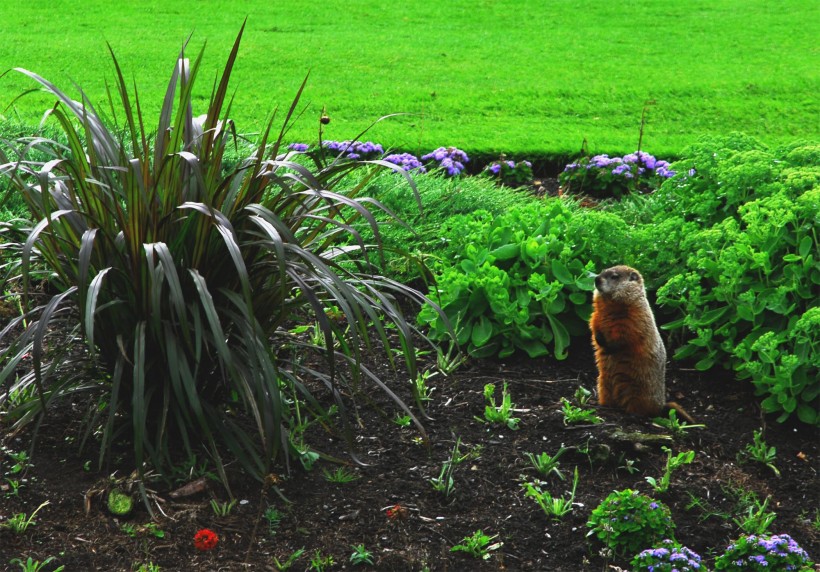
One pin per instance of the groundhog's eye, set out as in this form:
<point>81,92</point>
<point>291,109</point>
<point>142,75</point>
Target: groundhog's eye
<point>633,277</point>
<point>614,276</point>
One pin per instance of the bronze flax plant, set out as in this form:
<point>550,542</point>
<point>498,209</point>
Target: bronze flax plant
<point>180,272</point>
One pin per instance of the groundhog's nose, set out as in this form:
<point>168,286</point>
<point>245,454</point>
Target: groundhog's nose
<point>599,280</point>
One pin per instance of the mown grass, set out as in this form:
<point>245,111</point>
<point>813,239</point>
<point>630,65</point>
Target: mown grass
<point>528,78</point>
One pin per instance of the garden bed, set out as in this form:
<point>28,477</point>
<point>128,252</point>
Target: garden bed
<point>396,514</point>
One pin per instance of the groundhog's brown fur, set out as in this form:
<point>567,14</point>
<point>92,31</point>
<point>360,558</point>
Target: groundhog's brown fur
<point>629,351</point>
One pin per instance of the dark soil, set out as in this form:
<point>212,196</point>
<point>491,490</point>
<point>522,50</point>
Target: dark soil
<point>393,510</point>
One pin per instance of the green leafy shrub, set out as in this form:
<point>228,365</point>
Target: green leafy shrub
<point>180,271</point>
<point>521,280</point>
<point>425,213</point>
<point>745,289</point>
<point>627,521</point>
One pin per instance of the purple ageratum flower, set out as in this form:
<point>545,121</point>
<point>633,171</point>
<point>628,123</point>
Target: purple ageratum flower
<point>623,169</point>
<point>354,149</point>
<point>300,147</point>
<point>662,169</point>
<point>648,160</point>
<point>406,161</point>
<point>450,159</point>
<point>495,168</point>
<point>603,161</point>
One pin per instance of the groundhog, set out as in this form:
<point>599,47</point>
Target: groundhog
<point>629,351</point>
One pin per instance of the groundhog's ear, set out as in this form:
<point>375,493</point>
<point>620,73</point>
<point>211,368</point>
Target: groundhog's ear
<point>633,276</point>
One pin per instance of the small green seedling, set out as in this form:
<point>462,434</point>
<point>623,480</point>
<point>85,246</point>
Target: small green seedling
<point>19,523</point>
<point>31,565</point>
<point>450,361</point>
<point>444,483</point>
<point>756,520</point>
<point>582,395</point>
<point>672,463</point>
<point>274,518</point>
<point>361,555</point>
<point>421,386</point>
<point>554,507</point>
<point>501,414</point>
<point>222,508</point>
<point>402,420</point>
<point>546,464</point>
<point>759,451</point>
<point>282,566</point>
<point>478,545</point>
<point>340,475</point>
<point>574,414</point>
<point>320,562</point>
<point>674,425</point>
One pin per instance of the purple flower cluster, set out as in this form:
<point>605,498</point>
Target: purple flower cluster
<point>670,557</point>
<point>449,159</point>
<point>496,166</point>
<point>300,147</point>
<point>765,552</point>
<point>511,173</point>
<point>407,161</point>
<point>629,166</point>
<point>354,149</point>
<point>605,176</point>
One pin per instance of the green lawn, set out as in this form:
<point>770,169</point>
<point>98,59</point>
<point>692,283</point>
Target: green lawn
<point>488,76</point>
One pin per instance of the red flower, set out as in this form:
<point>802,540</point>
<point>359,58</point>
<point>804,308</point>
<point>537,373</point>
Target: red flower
<point>396,512</point>
<point>205,539</point>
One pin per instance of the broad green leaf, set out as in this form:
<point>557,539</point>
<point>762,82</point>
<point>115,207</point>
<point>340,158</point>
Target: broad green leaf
<point>482,332</point>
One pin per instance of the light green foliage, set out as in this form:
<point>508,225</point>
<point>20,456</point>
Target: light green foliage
<point>483,73</point>
<point>478,545</point>
<point>745,288</point>
<point>672,463</point>
<point>502,413</point>
<point>521,280</point>
<point>627,522</point>
<point>178,267</point>
<point>425,213</point>
<point>120,503</point>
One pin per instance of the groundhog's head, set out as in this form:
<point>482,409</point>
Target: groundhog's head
<point>620,283</point>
